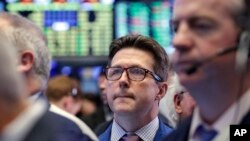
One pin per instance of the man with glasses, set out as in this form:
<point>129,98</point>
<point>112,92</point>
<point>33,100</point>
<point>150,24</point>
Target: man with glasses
<point>136,73</point>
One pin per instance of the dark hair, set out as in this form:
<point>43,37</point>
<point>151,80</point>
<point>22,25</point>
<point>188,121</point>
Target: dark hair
<point>61,86</point>
<point>147,44</point>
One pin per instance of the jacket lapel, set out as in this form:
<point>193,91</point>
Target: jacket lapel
<point>105,136</point>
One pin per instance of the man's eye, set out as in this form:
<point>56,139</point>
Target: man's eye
<point>202,27</point>
<point>136,71</point>
<point>114,72</point>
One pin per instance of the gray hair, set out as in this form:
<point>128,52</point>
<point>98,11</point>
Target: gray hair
<point>24,36</point>
<point>167,107</point>
<point>239,11</point>
<point>9,75</point>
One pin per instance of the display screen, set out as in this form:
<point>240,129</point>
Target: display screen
<point>150,18</point>
<point>1,6</point>
<point>85,28</point>
<point>87,75</point>
<point>73,27</point>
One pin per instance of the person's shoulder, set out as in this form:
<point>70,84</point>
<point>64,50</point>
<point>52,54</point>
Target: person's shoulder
<point>62,122</point>
<point>57,118</point>
<point>181,132</point>
<point>103,127</point>
<point>61,116</point>
<point>162,131</point>
<point>105,131</point>
<point>44,129</point>
<point>66,128</point>
<point>163,127</point>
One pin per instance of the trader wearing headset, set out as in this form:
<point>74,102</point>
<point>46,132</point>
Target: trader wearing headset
<point>211,60</point>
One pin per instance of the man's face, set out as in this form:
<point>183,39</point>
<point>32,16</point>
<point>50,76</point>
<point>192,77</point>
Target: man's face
<point>73,105</point>
<point>187,104</point>
<point>102,83</point>
<point>128,97</point>
<point>202,29</point>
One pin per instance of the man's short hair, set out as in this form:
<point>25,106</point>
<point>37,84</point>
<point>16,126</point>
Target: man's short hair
<point>61,86</point>
<point>147,44</point>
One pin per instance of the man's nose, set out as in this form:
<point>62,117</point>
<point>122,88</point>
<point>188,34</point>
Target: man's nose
<point>182,39</point>
<point>124,80</point>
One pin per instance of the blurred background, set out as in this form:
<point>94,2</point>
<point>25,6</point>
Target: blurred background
<point>79,31</point>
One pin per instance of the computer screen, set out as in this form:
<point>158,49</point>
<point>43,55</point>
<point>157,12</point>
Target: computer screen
<point>150,18</point>
<point>87,75</point>
<point>73,27</point>
<point>79,31</point>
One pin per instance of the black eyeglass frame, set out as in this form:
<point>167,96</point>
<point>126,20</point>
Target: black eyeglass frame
<point>155,76</point>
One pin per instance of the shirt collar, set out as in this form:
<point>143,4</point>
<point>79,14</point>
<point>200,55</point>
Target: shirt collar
<point>116,132</point>
<point>232,115</point>
<point>146,133</point>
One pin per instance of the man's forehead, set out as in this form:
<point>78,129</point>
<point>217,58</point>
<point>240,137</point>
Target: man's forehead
<point>204,1</point>
<point>210,3</point>
<point>185,8</point>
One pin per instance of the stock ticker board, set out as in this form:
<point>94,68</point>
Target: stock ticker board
<point>87,27</point>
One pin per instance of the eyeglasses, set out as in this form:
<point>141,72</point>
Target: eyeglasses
<point>133,73</point>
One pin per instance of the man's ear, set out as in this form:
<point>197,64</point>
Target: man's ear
<point>163,87</point>
<point>177,103</point>
<point>26,61</point>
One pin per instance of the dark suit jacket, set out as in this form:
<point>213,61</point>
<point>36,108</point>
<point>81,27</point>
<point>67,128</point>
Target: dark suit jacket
<point>102,127</point>
<point>181,134</point>
<point>54,127</point>
<point>161,132</point>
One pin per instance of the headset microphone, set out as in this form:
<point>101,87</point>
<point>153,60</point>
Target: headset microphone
<point>196,65</point>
